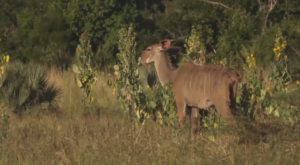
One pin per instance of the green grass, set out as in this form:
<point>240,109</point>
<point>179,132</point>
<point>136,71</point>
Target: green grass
<point>106,136</point>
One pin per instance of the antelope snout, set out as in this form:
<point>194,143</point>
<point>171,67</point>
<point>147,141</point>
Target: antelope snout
<point>144,59</point>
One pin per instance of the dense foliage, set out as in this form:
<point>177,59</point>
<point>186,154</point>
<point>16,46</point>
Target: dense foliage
<point>48,31</point>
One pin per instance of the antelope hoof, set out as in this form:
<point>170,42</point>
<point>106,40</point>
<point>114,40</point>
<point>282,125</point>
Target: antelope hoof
<point>181,122</point>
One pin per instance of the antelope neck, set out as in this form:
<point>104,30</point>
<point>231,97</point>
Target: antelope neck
<point>164,72</point>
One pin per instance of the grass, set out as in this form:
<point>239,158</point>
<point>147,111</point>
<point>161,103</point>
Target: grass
<point>106,136</point>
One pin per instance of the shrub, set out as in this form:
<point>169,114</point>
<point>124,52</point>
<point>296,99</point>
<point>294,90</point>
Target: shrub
<point>4,123</point>
<point>256,98</point>
<point>26,85</point>
<point>85,77</point>
<point>126,84</point>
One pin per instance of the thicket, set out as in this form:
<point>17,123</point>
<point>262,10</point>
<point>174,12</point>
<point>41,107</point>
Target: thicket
<point>255,92</point>
<point>49,31</point>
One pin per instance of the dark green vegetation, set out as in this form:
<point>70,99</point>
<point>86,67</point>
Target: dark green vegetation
<point>48,31</point>
<point>53,126</point>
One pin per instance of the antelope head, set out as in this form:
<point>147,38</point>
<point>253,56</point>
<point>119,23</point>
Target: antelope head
<point>154,52</point>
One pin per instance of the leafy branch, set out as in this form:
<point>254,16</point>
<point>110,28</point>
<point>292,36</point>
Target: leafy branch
<point>85,76</point>
<point>218,3</point>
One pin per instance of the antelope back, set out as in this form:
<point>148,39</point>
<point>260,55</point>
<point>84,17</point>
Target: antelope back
<point>202,83</point>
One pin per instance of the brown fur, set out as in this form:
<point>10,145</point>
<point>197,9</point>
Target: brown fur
<point>194,85</point>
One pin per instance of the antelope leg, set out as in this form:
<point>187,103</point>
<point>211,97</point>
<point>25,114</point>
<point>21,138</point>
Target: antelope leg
<point>225,112</point>
<point>181,109</point>
<point>195,122</point>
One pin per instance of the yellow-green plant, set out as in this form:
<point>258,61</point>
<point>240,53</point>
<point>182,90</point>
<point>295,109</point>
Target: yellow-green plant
<point>224,61</point>
<point>4,125</point>
<point>137,99</point>
<point>280,77</point>
<point>126,83</point>
<point>85,77</point>
<point>194,48</point>
<point>4,59</point>
<point>161,103</point>
<point>254,89</point>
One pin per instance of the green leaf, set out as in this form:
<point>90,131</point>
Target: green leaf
<point>75,69</point>
<point>136,72</point>
<point>276,113</point>
<point>122,91</point>
<point>238,99</point>
<point>152,104</point>
<point>78,82</point>
<point>278,87</point>
<point>136,124</point>
<point>172,122</point>
<point>166,119</point>
<point>276,73</point>
<point>116,67</point>
<point>269,109</point>
<point>270,78</point>
<point>165,96</point>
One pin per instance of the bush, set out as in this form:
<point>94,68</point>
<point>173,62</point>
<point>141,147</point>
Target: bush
<point>26,85</point>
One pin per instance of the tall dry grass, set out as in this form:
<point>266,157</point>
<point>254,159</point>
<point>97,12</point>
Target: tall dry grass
<point>106,136</point>
<point>70,100</point>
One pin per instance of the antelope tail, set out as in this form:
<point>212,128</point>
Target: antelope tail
<point>236,75</point>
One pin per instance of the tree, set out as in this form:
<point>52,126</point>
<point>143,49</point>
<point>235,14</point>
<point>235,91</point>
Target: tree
<point>102,19</point>
<point>39,32</point>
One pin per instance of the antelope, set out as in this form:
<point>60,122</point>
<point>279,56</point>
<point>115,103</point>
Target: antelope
<point>194,85</point>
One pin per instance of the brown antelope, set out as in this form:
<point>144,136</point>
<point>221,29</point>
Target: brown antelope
<point>194,85</point>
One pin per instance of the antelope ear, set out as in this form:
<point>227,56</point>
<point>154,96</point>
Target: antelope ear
<point>165,44</point>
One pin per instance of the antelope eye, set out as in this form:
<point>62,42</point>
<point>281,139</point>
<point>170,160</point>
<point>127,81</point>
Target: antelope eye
<point>148,49</point>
